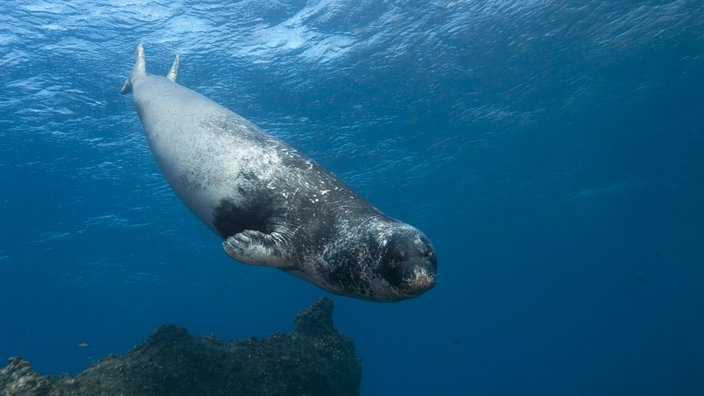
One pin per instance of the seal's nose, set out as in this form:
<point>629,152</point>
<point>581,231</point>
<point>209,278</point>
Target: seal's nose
<point>419,275</point>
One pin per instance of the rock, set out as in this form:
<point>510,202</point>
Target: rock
<point>18,378</point>
<point>314,359</point>
<point>316,320</point>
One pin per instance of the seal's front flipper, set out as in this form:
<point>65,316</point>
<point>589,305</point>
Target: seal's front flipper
<point>255,247</point>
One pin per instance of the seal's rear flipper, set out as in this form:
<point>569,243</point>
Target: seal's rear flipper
<point>258,248</point>
<point>139,70</point>
<point>173,73</point>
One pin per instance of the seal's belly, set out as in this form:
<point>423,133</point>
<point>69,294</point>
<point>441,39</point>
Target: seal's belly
<point>209,160</point>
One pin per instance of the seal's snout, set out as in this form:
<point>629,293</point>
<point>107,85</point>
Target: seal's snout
<point>410,264</point>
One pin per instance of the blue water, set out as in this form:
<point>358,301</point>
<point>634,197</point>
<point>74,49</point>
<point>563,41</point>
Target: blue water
<point>553,153</point>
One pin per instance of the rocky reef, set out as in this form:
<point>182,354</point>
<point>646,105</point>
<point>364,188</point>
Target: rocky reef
<point>313,359</point>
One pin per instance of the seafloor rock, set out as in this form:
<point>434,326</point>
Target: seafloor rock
<point>314,359</point>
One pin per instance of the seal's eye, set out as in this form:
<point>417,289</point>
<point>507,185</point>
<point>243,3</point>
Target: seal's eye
<point>395,264</point>
<point>392,271</point>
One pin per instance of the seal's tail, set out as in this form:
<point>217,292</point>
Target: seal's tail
<point>139,70</point>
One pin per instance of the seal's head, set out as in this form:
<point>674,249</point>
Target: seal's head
<point>381,260</point>
<point>408,262</point>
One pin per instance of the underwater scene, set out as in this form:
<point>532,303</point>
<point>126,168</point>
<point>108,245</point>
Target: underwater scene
<point>375,197</point>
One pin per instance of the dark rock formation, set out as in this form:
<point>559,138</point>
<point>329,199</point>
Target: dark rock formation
<point>314,359</point>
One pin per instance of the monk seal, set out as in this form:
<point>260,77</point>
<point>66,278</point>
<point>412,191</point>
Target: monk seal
<point>272,205</point>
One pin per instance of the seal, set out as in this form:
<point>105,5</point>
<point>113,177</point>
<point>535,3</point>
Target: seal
<point>272,205</point>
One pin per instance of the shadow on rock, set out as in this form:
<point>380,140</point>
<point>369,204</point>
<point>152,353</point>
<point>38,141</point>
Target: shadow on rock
<point>314,359</point>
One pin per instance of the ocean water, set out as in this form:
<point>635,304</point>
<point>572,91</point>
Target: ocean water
<point>552,151</point>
